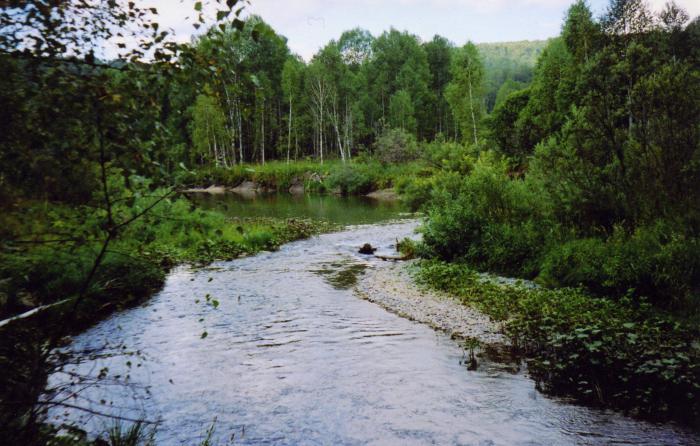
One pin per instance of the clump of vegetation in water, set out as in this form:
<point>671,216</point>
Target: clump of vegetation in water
<point>617,353</point>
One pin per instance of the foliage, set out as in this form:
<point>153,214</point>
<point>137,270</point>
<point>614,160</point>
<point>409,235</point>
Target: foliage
<point>508,131</point>
<point>595,187</point>
<point>507,63</point>
<point>488,220</point>
<point>396,146</point>
<point>440,120</point>
<point>604,352</point>
<point>465,92</point>
<point>349,181</point>
<point>656,261</point>
<point>401,112</point>
<point>209,135</point>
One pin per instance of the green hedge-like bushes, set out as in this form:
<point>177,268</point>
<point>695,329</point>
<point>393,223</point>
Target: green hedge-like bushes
<point>495,222</point>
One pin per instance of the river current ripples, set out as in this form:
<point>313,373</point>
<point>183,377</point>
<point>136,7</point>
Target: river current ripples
<point>292,356</point>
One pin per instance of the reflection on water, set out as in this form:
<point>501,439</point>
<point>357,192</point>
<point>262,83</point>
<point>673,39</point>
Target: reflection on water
<point>342,210</point>
<point>342,274</point>
<point>293,357</point>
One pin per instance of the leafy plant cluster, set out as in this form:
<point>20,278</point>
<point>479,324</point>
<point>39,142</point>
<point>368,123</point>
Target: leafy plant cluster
<point>618,353</point>
<point>592,177</point>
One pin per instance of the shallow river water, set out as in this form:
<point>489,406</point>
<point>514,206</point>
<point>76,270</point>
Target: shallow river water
<point>292,356</point>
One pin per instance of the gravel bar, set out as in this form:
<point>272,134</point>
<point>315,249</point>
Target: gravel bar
<point>390,285</point>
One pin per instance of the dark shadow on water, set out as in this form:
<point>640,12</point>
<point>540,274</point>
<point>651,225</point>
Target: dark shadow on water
<point>335,209</point>
<point>341,275</point>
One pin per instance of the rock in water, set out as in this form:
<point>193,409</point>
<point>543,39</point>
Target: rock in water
<point>367,249</point>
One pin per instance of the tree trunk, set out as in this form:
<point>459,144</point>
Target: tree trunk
<point>289,133</point>
<point>262,128</point>
<point>240,132</point>
<point>471,106</point>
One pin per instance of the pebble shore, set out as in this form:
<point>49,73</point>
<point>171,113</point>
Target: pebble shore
<point>390,285</point>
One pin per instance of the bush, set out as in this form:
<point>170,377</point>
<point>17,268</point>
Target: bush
<point>350,181</point>
<point>396,146</point>
<point>449,155</point>
<point>656,261</point>
<point>488,220</point>
<point>415,192</point>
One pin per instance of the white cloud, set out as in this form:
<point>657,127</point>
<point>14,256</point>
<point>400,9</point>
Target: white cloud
<point>309,24</point>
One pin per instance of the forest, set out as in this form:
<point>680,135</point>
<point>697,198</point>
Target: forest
<point>573,163</point>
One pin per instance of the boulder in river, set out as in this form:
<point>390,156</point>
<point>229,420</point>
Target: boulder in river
<point>297,187</point>
<point>367,249</point>
<point>246,189</point>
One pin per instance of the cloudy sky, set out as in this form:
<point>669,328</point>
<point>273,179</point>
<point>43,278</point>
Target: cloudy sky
<point>309,24</point>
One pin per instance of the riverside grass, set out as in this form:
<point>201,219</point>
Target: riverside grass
<point>174,232</point>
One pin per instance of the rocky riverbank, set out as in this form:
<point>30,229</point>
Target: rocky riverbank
<point>391,286</point>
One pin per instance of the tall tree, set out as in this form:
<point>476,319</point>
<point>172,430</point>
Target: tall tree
<point>292,86</point>
<point>465,91</point>
<point>399,62</point>
<point>401,113</point>
<point>209,133</point>
<point>439,55</point>
<point>355,46</point>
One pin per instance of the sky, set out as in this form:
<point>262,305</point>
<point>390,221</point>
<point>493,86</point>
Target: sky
<point>310,24</point>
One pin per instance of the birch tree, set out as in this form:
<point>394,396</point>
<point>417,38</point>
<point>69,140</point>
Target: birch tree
<point>292,81</point>
<point>465,93</point>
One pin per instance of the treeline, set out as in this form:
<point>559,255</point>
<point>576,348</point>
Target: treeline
<point>237,94</point>
<point>589,176</point>
<point>260,102</point>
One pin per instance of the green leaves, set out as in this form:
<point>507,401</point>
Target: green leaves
<point>588,347</point>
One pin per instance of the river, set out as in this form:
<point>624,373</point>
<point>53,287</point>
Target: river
<point>289,355</point>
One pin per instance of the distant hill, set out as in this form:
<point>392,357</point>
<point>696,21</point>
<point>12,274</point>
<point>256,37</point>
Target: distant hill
<point>509,67</point>
<point>523,52</point>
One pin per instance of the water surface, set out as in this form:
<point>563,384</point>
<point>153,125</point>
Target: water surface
<point>291,356</point>
<point>343,210</point>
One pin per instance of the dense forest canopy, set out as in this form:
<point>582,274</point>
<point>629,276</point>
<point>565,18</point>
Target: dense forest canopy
<point>239,95</point>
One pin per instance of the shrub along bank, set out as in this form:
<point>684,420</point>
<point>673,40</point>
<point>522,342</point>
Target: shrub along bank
<point>615,319</point>
<point>175,231</point>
